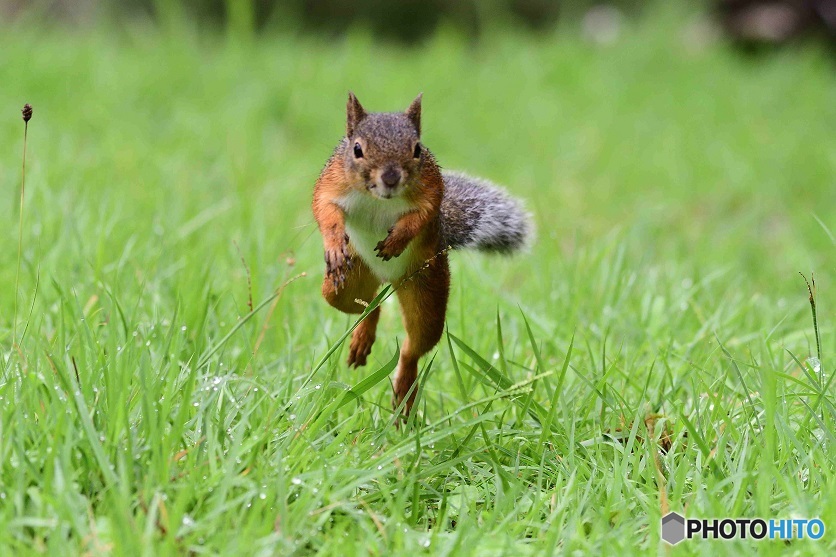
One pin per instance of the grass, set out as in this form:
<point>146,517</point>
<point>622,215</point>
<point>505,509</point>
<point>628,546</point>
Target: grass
<point>652,352</point>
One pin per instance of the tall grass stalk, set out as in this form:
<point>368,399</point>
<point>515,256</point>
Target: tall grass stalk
<point>27,115</point>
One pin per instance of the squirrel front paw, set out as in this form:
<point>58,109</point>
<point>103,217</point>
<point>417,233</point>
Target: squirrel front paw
<point>390,247</point>
<point>337,264</point>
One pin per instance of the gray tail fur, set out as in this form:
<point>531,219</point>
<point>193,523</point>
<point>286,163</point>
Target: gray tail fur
<point>475,213</point>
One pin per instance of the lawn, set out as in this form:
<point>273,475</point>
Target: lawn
<point>654,351</point>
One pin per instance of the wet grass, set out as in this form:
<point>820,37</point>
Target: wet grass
<point>654,351</point>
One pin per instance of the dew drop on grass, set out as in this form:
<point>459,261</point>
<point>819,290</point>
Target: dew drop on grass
<point>296,481</point>
<point>196,404</point>
<point>814,364</point>
<point>318,387</point>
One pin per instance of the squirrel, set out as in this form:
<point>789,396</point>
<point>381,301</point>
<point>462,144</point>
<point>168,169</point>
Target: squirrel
<point>388,213</point>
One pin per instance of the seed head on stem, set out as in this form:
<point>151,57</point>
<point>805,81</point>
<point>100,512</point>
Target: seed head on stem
<point>27,115</point>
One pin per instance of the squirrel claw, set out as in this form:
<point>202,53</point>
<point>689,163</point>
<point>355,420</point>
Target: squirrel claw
<point>337,262</point>
<point>383,252</point>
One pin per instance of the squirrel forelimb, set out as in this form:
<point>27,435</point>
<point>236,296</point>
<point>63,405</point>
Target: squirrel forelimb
<point>337,257</point>
<point>400,235</point>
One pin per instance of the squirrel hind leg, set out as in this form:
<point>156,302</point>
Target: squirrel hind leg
<point>360,284</point>
<point>423,303</point>
<point>362,339</point>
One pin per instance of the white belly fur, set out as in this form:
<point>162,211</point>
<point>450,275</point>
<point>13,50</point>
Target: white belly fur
<point>367,222</point>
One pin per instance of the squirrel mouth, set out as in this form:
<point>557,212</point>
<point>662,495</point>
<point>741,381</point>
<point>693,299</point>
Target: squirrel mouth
<point>380,193</point>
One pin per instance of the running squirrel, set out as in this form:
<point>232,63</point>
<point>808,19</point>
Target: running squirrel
<point>388,213</point>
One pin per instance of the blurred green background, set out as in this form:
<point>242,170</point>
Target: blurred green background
<point>715,156</point>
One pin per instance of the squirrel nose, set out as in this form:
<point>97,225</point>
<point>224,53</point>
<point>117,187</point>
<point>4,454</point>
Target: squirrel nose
<point>391,177</point>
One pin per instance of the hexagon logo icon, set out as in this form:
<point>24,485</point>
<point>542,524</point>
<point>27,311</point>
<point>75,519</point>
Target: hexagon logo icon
<point>673,528</point>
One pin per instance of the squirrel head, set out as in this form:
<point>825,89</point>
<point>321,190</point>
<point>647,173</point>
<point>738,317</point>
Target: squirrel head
<point>383,151</point>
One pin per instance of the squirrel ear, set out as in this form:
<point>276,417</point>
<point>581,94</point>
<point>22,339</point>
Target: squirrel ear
<point>414,113</point>
<point>354,113</point>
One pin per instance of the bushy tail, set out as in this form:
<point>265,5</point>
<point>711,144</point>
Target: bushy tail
<point>478,214</point>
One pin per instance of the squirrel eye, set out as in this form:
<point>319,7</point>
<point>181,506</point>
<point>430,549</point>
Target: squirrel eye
<point>417,153</point>
<point>358,151</point>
